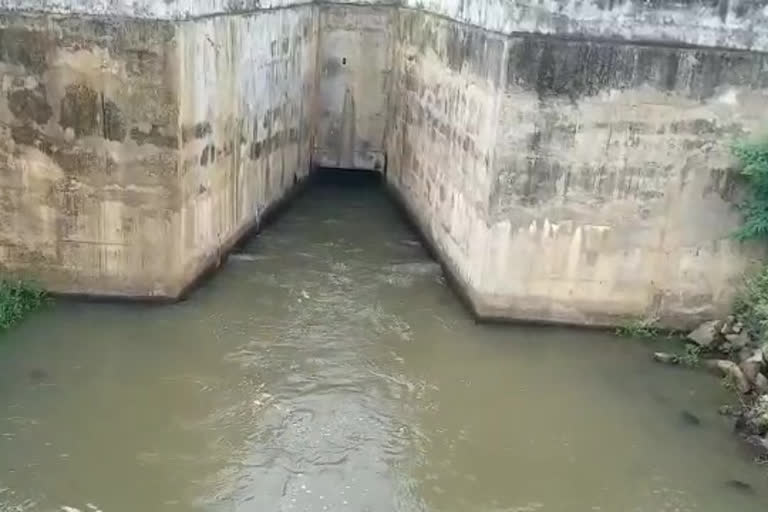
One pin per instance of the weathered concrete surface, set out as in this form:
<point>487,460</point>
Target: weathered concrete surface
<point>88,146</point>
<point>443,131</point>
<point>568,160</point>
<point>354,57</point>
<point>741,24</point>
<point>146,9</point>
<point>246,123</point>
<point>162,9</point>
<point>134,152</point>
<point>574,181</point>
<point>722,23</point>
<point>613,195</point>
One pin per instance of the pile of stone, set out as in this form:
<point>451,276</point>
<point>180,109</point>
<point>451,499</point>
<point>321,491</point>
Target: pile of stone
<point>728,350</point>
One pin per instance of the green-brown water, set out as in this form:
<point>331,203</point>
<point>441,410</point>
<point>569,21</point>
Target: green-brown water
<point>331,368</point>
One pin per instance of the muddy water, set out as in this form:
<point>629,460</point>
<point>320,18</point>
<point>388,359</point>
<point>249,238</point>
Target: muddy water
<point>330,368</point>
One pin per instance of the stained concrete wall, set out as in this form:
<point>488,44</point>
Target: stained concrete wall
<point>444,122</point>
<point>568,160</point>
<point>738,24</point>
<point>88,144</point>
<point>136,151</point>
<point>354,56</point>
<point>575,181</point>
<point>246,111</point>
<point>146,9</point>
<point>163,9</point>
<point>613,195</point>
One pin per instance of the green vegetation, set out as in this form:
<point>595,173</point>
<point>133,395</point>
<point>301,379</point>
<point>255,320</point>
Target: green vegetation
<point>752,303</point>
<point>753,157</point>
<point>645,328</point>
<point>18,298</point>
<point>692,356</point>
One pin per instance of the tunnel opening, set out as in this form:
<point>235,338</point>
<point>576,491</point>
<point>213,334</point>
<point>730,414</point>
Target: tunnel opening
<point>341,177</point>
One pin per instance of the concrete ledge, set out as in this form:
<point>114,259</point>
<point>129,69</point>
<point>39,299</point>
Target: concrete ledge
<point>741,25</point>
<point>359,160</point>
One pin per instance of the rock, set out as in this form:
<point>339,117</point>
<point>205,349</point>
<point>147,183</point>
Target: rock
<point>737,327</point>
<point>760,443</point>
<point>730,371</point>
<point>756,356</point>
<point>725,348</point>
<point>751,363</point>
<point>729,410</point>
<point>761,383</point>
<point>753,421</point>
<point>744,354</point>
<point>707,334</point>
<point>739,485</point>
<point>751,370</point>
<point>690,419</point>
<point>739,340</point>
<point>665,357</point>
<point>728,324</point>
<point>37,375</point>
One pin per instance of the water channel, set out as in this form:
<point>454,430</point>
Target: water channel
<point>328,366</point>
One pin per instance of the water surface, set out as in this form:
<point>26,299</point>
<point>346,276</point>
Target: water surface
<point>329,367</point>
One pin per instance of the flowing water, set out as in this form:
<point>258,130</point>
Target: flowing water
<point>329,367</point>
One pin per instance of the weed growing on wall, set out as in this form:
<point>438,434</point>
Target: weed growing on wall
<point>752,302</point>
<point>645,328</point>
<point>18,298</point>
<point>751,305</point>
<point>753,159</point>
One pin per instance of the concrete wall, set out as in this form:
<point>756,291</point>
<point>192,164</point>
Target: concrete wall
<point>568,160</point>
<point>88,145</point>
<point>136,151</point>
<point>444,122</point>
<point>354,57</point>
<point>246,115</point>
<point>571,180</point>
<point>721,23</point>
<point>741,24</point>
<point>613,195</point>
<point>146,9</point>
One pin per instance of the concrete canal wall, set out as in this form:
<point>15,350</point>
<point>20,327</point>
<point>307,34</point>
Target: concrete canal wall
<point>567,160</point>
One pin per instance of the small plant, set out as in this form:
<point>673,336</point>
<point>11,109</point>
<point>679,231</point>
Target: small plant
<point>18,298</point>
<point>753,159</point>
<point>691,357</point>
<point>645,328</point>
<point>751,305</point>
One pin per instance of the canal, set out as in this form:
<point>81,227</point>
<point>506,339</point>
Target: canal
<point>328,366</point>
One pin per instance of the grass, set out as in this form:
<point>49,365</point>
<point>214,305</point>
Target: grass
<point>645,328</point>
<point>753,163</point>
<point>17,299</point>
<point>691,357</point>
<point>751,305</point>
